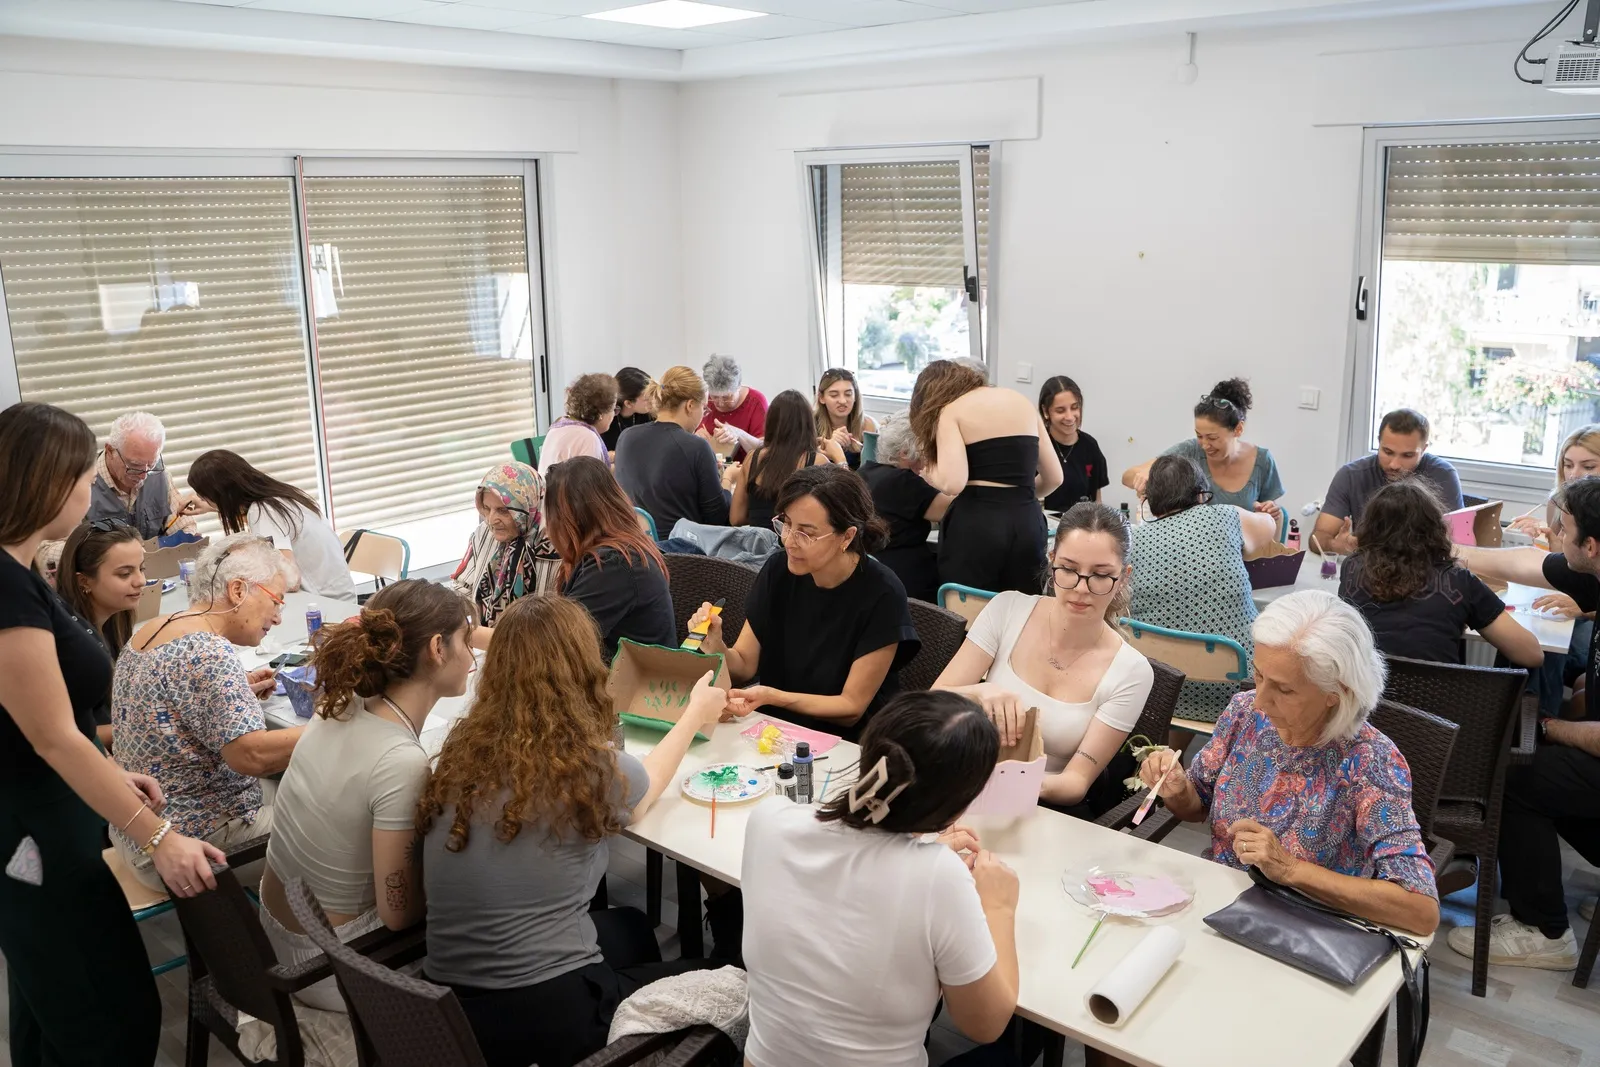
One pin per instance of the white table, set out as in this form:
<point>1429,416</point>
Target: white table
<point>1555,635</point>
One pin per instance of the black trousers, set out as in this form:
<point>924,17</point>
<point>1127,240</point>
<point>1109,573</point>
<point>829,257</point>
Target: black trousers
<point>1555,796</point>
<point>992,538</point>
<point>81,992</point>
<point>558,1022</point>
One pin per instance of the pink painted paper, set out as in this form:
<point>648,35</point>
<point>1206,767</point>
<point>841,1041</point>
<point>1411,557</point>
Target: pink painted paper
<point>819,742</point>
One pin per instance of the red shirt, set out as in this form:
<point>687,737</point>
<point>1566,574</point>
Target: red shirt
<point>750,416</point>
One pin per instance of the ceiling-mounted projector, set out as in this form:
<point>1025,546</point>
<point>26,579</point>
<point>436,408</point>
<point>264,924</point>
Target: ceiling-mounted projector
<point>1574,66</point>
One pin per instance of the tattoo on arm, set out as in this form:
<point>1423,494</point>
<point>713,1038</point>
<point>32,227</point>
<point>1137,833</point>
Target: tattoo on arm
<point>398,890</point>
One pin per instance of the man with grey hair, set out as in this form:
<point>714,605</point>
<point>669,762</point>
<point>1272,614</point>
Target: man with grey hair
<point>736,415</point>
<point>130,479</point>
<point>908,504</point>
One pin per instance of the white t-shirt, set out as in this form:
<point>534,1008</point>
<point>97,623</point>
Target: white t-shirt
<point>848,936</point>
<point>317,551</point>
<point>1118,700</point>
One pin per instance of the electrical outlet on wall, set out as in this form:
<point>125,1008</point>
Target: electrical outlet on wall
<point>1310,397</point>
<point>1024,372</point>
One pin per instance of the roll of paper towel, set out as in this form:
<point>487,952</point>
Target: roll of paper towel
<point>1119,994</point>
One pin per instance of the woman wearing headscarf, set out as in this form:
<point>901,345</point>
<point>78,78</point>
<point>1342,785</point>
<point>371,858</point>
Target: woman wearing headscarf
<point>510,555</point>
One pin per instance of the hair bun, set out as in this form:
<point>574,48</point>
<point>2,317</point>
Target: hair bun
<point>1235,391</point>
<point>385,651</point>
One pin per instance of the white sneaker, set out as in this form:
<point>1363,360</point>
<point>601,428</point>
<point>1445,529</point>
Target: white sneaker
<point>1514,944</point>
<point>1586,909</point>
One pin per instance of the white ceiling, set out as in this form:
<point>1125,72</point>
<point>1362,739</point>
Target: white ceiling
<point>552,35</point>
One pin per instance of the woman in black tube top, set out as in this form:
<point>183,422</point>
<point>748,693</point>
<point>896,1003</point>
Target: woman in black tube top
<point>970,435</point>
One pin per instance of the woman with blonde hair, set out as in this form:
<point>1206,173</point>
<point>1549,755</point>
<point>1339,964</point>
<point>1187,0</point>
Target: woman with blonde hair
<point>527,791</point>
<point>665,468</point>
<point>838,415</point>
<point>992,536</point>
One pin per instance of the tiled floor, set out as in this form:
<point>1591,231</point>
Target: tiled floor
<point>1528,1019</point>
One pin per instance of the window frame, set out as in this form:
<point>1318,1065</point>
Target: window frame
<point>981,333</point>
<point>1512,482</point>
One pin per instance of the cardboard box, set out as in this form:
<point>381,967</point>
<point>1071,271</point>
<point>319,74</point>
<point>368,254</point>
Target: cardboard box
<point>1277,566</point>
<point>1478,525</point>
<point>163,562</point>
<point>1016,780</point>
<point>149,604</point>
<point>650,684</point>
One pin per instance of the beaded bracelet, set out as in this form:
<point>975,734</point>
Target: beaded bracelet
<point>150,846</point>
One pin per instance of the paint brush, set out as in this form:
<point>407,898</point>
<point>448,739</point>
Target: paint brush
<point>713,812</point>
<point>1150,798</point>
<point>1085,948</point>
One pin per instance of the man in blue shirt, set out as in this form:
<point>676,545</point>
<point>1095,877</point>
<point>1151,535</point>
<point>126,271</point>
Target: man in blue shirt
<point>1402,453</point>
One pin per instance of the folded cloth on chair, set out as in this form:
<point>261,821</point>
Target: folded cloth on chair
<point>742,544</point>
<point>696,998</point>
<point>326,1036</point>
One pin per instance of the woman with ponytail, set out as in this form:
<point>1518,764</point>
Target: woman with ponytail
<point>345,810</point>
<point>1064,654</point>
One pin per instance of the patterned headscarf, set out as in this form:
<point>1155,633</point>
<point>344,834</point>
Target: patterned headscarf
<point>493,574</point>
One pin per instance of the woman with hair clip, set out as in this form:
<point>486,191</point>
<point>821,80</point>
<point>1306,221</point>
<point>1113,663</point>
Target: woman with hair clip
<point>187,713</point>
<point>909,920</point>
<point>827,628</point>
<point>527,791</point>
<point>838,415</point>
<point>1064,654</point>
<point>79,978</point>
<point>1239,472</point>
<point>1083,465</point>
<point>248,499</point>
<point>608,564</point>
<point>510,554</point>
<point>993,535</point>
<point>637,397</point>
<point>1407,584</point>
<point>344,819</point>
<point>101,579</point>
<point>788,444</point>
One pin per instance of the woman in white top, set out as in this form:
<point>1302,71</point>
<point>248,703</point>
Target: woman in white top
<point>346,809</point>
<point>1064,655</point>
<point>245,498</point>
<point>906,920</point>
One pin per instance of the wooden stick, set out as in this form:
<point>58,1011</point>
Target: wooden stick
<point>713,811</point>
<point>1317,546</point>
<point>1085,948</point>
<point>1150,798</point>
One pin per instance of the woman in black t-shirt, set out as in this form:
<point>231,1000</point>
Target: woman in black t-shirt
<point>637,396</point>
<point>827,626</point>
<point>1407,585</point>
<point>904,500</point>
<point>1083,466</point>
<point>608,563</point>
<point>81,988</point>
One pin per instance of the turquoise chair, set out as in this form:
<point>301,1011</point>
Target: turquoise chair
<point>869,446</point>
<point>964,600</point>
<point>526,450</point>
<point>647,522</point>
<point>1201,658</point>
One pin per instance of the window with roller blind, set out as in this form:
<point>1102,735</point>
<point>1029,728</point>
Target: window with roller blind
<point>1479,298</point>
<point>190,298</point>
<point>900,242</point>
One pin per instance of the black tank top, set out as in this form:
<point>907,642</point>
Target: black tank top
<point>1005,460</point>
<point>761,502</point>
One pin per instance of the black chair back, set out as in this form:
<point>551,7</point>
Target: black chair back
<point>1155,721</point>
<point>695,580</point>
<point>1426,741</point>
<point>941,631</point>
<point>1483,702</point>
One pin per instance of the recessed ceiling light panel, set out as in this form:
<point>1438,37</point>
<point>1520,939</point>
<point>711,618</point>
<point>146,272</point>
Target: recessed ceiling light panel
<point>676,14</point>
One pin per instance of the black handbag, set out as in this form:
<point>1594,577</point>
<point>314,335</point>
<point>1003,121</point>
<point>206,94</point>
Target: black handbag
<point>1290,927</point>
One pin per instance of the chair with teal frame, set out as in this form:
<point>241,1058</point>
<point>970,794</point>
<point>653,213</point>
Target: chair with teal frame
<point>964,600</point>
<point>143,902</point>
<point>647,523</point>
<point>1201,658</point>
<point>526,450</point>
<point>869,446</point>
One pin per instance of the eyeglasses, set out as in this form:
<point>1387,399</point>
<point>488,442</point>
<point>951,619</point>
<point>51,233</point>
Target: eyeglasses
<point>139,470</point>
<point>782,528</point>
<point>1067,578</point>
<point>1205,496</point>
<point>276,599</point>
<point>108,525</point>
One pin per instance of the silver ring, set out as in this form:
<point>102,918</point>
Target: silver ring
<point>186,885</point>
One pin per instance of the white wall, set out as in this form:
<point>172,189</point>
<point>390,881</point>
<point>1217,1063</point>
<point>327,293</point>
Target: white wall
<point>1154,238</point>
<point>612,207</point>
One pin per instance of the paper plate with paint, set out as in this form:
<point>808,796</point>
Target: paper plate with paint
<point>1141,894</point>
<point>732,783</point>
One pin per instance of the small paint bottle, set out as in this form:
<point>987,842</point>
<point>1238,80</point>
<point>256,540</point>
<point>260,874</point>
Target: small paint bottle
<point>802,772</point>
<point>786,786</point>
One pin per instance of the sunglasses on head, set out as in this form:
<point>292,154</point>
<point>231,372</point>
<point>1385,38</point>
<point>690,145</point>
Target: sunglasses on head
<point>109,525</point>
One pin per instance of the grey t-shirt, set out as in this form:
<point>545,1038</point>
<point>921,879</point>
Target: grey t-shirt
<point>1264,483</point>
<point>1356,481</point>
<point>503,916</point>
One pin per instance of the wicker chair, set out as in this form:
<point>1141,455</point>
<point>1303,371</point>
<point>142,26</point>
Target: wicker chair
<point>1155,722</point>
<point>694,580</point>
<point>1486,704</point>
<point>401,1021</point>
<point>1426,741</point>
<point>1591,948</point>
<point>942,632</point>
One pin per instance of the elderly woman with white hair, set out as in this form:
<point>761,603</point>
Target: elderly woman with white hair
<point>185,712</point>
<point>736,415</point>
<point>1298,784</point>
<point>908,504</point>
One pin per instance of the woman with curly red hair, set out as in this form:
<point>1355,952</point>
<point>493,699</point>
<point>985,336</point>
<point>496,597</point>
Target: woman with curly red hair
<point>527,791</point>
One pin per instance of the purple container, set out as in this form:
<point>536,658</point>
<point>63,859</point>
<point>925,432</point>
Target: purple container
<point>186,570</point>
<point>313,621</point>
<point>1330,569</point>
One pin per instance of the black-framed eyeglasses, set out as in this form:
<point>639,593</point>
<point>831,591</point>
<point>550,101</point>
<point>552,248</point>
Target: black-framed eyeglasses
<point>109,525</point>
<point>1067,578</point>
<point>139,470</point>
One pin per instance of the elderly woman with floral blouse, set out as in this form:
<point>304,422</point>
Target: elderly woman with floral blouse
<point>1298,784</point>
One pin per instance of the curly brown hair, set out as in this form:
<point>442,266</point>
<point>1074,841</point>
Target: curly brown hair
<point>538,733</point>
<point>590,396</point>
<point>1401,538</point>
<point>384,643</point>
<point>940,382</point>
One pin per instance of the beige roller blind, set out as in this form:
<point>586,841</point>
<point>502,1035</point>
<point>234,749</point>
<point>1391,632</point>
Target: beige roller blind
<point>1521,202</point>
<point>424,338</point>
<point>980,196</point>
<point>900,224</point>
<point>177,296</point>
